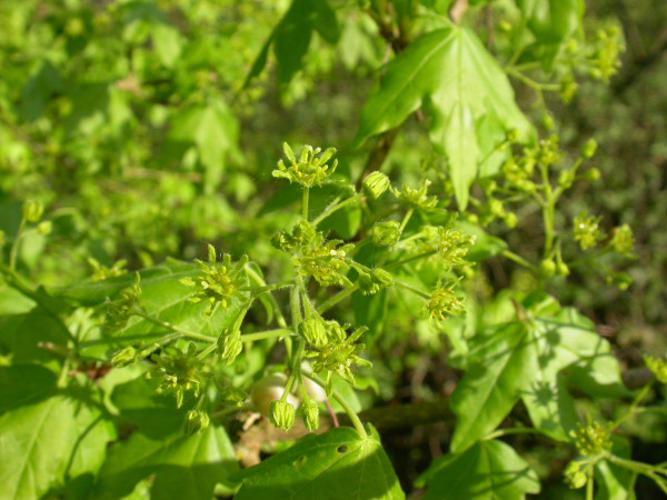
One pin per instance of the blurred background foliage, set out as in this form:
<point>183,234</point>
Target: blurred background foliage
<point>134,122</point>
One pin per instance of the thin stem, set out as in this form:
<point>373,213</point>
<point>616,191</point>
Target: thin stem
<point>254,276</point>
<point>335,299</point>
<point>411,288</point>
<point>333,207</point>
<point>508,254</point>
<point>589,487</point>
<point>304,202</point>
<point>174,328</point>
<point>267,334</point>
<point>514,430</point>
<point>352,415</point>
<point>399,263</point>
<point>633,406</point>
<point>406,219</point>
<point>13,252</point>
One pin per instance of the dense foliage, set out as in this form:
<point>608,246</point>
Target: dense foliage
<point>457,292</point>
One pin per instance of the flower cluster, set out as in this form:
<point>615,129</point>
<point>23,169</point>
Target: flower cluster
<point>218,282</point>
<point>450,245</point>
<point>445,303</point>
<point>119,310</point>
<point>179,372</point>
<point>591,439</point>
<point>416,197</point>
<point>310,169</point>
<point>586,229</point>
<point>339,352</point>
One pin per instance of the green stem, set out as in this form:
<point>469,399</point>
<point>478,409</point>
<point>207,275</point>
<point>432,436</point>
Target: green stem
<point>514,430</point>
<point>589,487</point>
<point>406,219</point>
<point>254,276</point>
<point>508,254</point>
<point>333,207</point>
<point>414,290</point>
<point>304,203</point>
<point>13,252</point>
<point>267,334</point>
<point>548,211</point>
<point>633,406</point>
<point>407,260</point>
<point>335,299</point>
<point>174,328</point>
<point>354,418</point>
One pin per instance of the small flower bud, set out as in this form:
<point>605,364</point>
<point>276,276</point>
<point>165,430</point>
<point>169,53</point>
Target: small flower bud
<point>196,421</point>
<point>45,227</point>
<point>575,477</point>
<point>593,174</point>
<point>314,331</point>
<point>376,184</point>
<point>588,150</point>
<point>566,178</point>
<point>231,347</point>
<point>124,357</point>
<point>510,220</point>
<point>562,269</point>
<point>32,211</point>
<point>282,414</point>
<point>311,414</point>
<point>548,267</point>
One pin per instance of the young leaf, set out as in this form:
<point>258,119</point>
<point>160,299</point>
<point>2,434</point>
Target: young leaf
<point>334,465</point>
<point>182,466</point>
<point>492,384</point>
<point>291,37</point>
<point>489,470</point>
<point>450,71</point>
<point>44,443</point>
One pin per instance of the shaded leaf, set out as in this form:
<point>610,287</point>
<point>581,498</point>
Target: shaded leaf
<point>291,37</point>
<point>44,443</point>
<point>492,384</point>
<point>488,470</point>
<point>180,466</point>
<point>334,465</point>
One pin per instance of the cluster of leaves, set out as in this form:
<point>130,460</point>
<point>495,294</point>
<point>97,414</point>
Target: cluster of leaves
<point>132,380</point>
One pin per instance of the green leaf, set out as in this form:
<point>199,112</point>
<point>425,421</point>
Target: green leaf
<point>168,43</point>
<point>43,444</point>
<point>462,86</point>
<point>488,470</point>
<point>22,335</point>
<point>291,37</point>
<point>334,465</point>
<point>492,384</point>
<point>552,21</point>
<point>214,130</point>
<point>181,466</point>
<point>22,385</point>
<point>567,340</point>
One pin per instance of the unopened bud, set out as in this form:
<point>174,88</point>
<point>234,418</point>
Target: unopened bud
<point>376,184</point>
<point>45,227</point>
<point>231,347</point>
<point>282,414</point>
<point>311,414</point>
<point>32,211</point>
<point>314,331</point>
<point>588,150</point>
